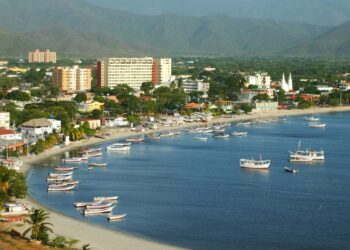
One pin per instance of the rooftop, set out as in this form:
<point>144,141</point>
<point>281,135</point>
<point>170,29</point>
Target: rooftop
<point>37,123</point>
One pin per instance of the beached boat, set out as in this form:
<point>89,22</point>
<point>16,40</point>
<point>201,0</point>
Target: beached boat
<point>98,211</point>
<point>53,188</point>
<point>255,164</point>
<point>60,174</point>
<point>58,178</point>
<point>94,164</point>
<point>201,138</point>
<point>312,119</point>
<point>116,217</point>
<point>317,125</point>
<point>107,198</point>
<point>221,135</point>
<point>291,170</point>
<point>135,139</point>
<point>64,169</point>
<point>119,147</point>
<point>239,133</point>
<point>307,155</point>
<point>98,205</point>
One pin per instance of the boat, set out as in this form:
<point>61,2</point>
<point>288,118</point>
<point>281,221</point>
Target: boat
<point>135,139</point>
<point>108,198</point>
<point>119,147</point>
<point>153,137</point>
<point>98,211</point>
<point>177,133</point>
<point>60,174</point>
<point>58,178</point>
<point>244,123</point>
<point>64,169</point>
<point>73,160</point>
<point>207,131</point>
<point>307,155</point>
<point>291,170</point>
<point>99,205</point>
<point>96,154</point>
<point>84,204</point>
<point>116,217</point>
<point>90,168</point>
<point>312,119</point>
<point>255,164</point>
<point>201,138</point>
<point>94,164</point>
<point>221,135</point>
<point>317,125</point>
<point>64,183</point>
<point>93,150</point>
<point>166,134</point>
<point>239,133</point>
<point>60,189</point>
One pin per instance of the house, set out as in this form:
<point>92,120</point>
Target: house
<point>36,129</point>
<point>117,122</point>
<point>93,123</point>
<point>14,164</point>
<point>266,106</point>
<point>14,212</point>
<point>90,106</point>
<point>9,134</point>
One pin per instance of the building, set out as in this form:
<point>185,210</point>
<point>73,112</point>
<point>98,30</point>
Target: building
<point>133,71</point>
<point>36,129</point>
<point>90,106</point>
<point>5,120</point>
<point>324,88</point>
<point>72,79</point>
<point>266,106</point>
<point>117,122</point>
<point>42,57</point>
<point>93,123</point>
<point>260,80</point>
<point>287,86</point>
<point>9,134</point>
<point>195,86</point>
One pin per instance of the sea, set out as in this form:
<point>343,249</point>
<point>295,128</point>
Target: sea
<point>194,194</point>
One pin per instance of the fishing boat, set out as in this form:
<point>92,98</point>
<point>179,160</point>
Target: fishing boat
<point>255,164</point>
<point>153,137</point>
<point>60,189</point>
<point>84,204</point>
<point>58,178</point>
<point>312,119</point>
<point>64,169</point>
<point>135,139</point>
<point>95,154</point>
<point>94,164</point>
<point>167,134</point>
<point>60,174</point>
<point>108,198</point>
<point>244,123</point>
<point>239,133</point>
<point>73,160</point>
<point>201,138</point>
<point>93,150</point>
<point>119,147</point>
<point>99,205</point>
<point>64,183</point>
<point>207,131</point>
<point>98,211</point>
<point>317,125</point>
<point>307,155</point>
<point>291,170</point>
<point>221,135</point>
<point>116,217</point>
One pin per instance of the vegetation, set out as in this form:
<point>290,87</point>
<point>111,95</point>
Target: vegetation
<point>12,184</point>
<point>39,227</point>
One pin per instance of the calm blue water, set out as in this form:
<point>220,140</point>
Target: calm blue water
<point>194,194</point>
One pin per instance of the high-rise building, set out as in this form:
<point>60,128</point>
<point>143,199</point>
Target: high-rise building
<point>72,79</point>
<point>133,71</point>
<point>42,57</point>
<point>5,120</point>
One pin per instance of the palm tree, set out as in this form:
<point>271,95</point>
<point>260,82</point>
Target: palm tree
<point>38,224</point>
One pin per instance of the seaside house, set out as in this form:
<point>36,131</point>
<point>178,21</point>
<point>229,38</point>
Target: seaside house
<point>266,106</point>
<point>36,129</point>
<point>9,134</point>
<point>14,212</point>
<point>93,123</point>
<point>90,106</point>
<point>117,122</point>
<point>12,163</point>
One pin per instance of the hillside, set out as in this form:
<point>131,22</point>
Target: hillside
<point>320,12</point>
<point>76,28</point>
<point>334,43</point>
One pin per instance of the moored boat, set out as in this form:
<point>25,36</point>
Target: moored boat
<point>107,198</point>
<point>64,169</point>
<point>95,154</point>
<point>58,178</point>
<point>221,135</point>
<point>244,123</point>
<point>166,134</point>
<point>255,164</point>
<point>307,155</point>
<point>201,138</point>
<point>60,174</point>
<point>99,205</point>
<point>239,133</point>
<point>119,147</point>
<point>291,170</point>
<point>94,164</point>
<point>116,217</point>
<point>73,160</point>
<point>312,119</point>
<point>153,137</point>
<point>60,189</point>
<point>135,139</point>
<point>317,125</point>
<point>98,211</point>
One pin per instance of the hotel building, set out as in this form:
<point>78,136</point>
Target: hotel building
<point>42,57</point>
<point>72,79</point>
<point>133,71</point>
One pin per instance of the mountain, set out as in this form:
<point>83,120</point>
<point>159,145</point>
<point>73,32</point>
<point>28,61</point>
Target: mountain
<point>76,28</point>
<point>334,43</point>
<point>319,12</point>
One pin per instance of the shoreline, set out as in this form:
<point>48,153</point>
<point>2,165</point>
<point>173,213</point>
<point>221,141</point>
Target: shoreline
<point>108,238</point>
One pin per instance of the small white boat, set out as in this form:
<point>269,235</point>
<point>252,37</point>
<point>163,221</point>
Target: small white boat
<point>108,198</point>
<point>64,169</point>
<point>207,131</point>
<point>221,136</point>
<point>96,154</point>
<point>94,164</point>
<point>98,211</point>
<point>64,183</point>
<point>291,170</point>
<point>201,138</point>
<point>135,139</point>
<point>84,204</point>
<point>317,125</point>
<point>73,160</point>
<point>99,205</point>
<point>60,189</point>
<point>255,164</point>
<point>153,137</point>
<point>307,155</point>
<point>60,174</point>
<point>116,217</point>
<point>244,123</point>
<point>119,147</point>
<point>58,178</point>
<point>167,134</point>
<point>93,150</point>
<point>239,133</point>
<point>312,119</point>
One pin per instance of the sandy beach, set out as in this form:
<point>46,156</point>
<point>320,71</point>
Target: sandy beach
<point>101,238</point>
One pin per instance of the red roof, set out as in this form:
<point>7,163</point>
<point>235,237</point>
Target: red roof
<point>4,131</point>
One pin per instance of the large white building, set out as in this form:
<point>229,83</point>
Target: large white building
<point>195,86</point>
<point>39,128</point>
<point>287,86</point>
<point>5,120</point>
<point>133,71</point>
<point>261,80</point>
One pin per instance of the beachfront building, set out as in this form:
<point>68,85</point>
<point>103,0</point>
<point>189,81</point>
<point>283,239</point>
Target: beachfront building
<point>190,86</point>
<point>93,123</point>
<point>260,80</point>
<point>9,134</point>
<point>5,120</point>
<point>117,122</point>
<point>72,79</point>
<point>266,106</point>
<point>14,212</point>
<point>89,106</point>
<point>38,56</point>
<point>36,129</point>
<point>112,72</point>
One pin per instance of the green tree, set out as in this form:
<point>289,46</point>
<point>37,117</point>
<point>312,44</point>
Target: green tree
<point>96,114</point>
<point>262,97</point>
<point>18,96</point>
<point>80,97</point>
<point>147,87</point>
<point>39,147</point>
<point>59,242</point>
<point>38,224</point>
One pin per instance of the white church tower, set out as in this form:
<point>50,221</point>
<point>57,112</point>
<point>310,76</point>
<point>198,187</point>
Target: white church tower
<point>290,82</point>
<point>284,84</point>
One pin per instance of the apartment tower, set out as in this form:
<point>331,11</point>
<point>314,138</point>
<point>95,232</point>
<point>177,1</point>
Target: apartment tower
<point>72,79</point>
<point>42,57</point>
